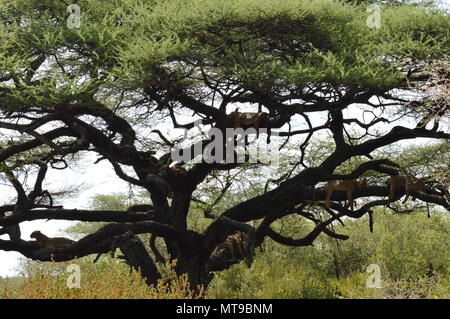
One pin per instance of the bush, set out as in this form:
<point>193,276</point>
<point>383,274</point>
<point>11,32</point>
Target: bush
<point>277,279</point>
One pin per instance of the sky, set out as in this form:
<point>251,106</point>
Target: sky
<point>99,178</point>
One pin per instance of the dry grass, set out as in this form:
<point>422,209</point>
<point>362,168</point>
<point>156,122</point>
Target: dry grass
<point>107,280</point>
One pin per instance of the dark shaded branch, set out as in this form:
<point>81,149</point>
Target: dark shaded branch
<point>376,165</point>
<point>308,239</point>
<point>26,146</point>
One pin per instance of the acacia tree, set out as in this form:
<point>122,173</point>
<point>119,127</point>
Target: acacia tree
<point>117,83</point>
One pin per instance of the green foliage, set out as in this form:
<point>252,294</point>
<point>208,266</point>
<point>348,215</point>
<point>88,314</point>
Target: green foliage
<point>428,160</point>
<point>258,43</point>
<point>409,243</point>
